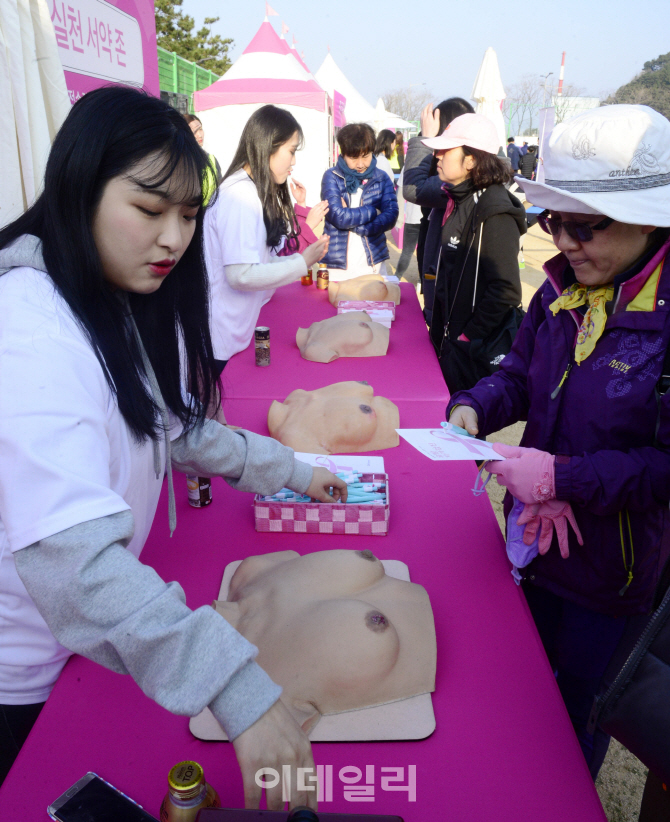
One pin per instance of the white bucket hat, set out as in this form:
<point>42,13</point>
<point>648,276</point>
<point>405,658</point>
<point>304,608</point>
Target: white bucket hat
<point>613,160</point>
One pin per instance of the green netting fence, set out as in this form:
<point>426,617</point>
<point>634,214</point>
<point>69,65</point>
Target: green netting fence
<point>180,76</point>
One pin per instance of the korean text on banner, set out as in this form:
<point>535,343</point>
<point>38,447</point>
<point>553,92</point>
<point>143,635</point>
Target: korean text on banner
<point>97,39</point>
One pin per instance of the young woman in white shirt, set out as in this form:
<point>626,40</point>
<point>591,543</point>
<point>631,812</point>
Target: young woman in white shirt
<point>103,312</point>
<point>384,148</point>
<point>253,242</point>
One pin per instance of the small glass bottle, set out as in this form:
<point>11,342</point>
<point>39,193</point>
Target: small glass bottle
<point>199,491</point>
<point>322,277</point>
<point>262,344</point>
<point>308,279</point>
<point>187,793</point>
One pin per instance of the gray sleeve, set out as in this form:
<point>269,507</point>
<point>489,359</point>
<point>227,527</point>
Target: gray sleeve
<point>418,186</point>
<point>248,462</point>
<point>100,601</point>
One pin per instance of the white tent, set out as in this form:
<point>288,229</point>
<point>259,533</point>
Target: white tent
<point>488,93</point>
<point>33,100</point>
<point>356,109</point>
<point>385,119</point>
<point>268,71</point>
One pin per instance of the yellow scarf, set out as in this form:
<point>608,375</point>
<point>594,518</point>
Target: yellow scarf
<point>595,318</point>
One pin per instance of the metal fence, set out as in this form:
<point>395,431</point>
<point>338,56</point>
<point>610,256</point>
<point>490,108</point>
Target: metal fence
<point>179,76</point>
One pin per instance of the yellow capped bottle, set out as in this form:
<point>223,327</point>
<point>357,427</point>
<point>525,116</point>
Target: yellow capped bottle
<point>187,793</point>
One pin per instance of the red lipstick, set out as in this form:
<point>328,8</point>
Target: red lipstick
<point>162,267</point>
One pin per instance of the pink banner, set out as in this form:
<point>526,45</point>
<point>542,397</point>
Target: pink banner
<point>102,42</point>
<point>339,102</point>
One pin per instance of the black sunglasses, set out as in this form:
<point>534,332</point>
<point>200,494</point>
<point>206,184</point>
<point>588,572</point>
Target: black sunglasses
<point>582,232</point>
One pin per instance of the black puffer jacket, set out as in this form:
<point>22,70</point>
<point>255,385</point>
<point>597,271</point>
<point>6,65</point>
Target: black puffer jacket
<point>498,282</point>
<point>498,219</point>
<point>528,164</point>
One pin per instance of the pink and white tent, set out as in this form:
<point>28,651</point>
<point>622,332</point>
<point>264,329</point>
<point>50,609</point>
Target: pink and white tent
<point>269,71</point>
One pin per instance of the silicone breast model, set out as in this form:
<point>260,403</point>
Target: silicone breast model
<point>344,335</point>
<point>342,418</point>
<point>368,287</point>
<point>334,630</point>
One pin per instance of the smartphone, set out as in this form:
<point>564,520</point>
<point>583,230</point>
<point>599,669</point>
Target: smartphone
<point>91,799</point>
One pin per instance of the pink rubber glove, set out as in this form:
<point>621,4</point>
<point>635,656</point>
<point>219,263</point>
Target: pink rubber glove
<point>527,472</point>
<point>549,515</point>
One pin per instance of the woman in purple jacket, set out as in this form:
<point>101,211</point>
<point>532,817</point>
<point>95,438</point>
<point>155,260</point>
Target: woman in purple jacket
<point>584,372</point>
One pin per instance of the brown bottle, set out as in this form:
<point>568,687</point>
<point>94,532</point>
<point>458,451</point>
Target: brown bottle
<point>187,793</point>
<point>199,491</point>
<point>322,277</point>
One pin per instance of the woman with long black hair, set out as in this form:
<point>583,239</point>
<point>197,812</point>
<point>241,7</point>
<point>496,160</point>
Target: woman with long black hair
<point>103,314</point>
<point>253,242</point>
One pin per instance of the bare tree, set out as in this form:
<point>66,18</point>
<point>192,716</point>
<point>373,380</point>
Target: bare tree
<point>563,105</point>
<point>522,103</point>
<point>407,102</point>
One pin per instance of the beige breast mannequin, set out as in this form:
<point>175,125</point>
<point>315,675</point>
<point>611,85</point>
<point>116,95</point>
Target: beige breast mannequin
<point>344,335</point>
<point>342,418</point>
<point>368,287</point>
<point>334,630</point>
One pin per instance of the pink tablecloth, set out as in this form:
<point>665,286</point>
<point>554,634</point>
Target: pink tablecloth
<point>503,749</point>
<point>409,371</point>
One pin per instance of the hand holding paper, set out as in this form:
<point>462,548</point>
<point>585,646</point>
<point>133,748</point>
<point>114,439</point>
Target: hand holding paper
<point>527,473</point>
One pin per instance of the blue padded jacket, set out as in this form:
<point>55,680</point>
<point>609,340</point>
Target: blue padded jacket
<point>376,214</point>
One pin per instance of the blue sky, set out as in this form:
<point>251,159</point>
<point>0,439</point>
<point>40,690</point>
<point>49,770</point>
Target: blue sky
<point>385,45</point>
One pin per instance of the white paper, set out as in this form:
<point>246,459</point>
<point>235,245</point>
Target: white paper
<point>443,444</point>
<point>346,462</point>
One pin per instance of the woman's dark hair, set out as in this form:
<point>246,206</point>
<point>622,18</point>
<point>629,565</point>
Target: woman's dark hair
<point>452,108</point>
<point>449,109</point>
<point>488,170</point>
<point>385,140</point>
<point>191,118</point>
<point>356,140</point>
<point>110,132</point>
<point>400,145</point>
<point>265,132</point>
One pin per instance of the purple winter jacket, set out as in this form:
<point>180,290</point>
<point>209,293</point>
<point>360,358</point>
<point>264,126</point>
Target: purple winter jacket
<point>611,463</point>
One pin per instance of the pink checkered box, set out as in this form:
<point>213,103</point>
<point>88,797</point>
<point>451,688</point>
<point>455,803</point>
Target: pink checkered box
<point>379,310</point>
<point>324,517</point>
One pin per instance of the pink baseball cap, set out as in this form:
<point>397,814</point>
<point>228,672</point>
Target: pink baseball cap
<point>473,130</point>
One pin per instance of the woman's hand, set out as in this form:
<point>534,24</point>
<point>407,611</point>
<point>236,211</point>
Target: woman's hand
<point>313,253</point>
<point>322,481</point>
<point>465,417</point>
<point>344,205</point>
<point>317,214</point>
<point>527,472</point>
<point>272,741</point>
<point>430,122</point>
<point>299,192</point>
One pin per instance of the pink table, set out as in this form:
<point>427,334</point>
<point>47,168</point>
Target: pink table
<point>409,371</point>
<point>503,748</point>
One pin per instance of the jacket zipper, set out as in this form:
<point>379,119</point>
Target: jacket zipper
<point>556,390</point>
<point>365,239</point>
<point>629,568</point>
